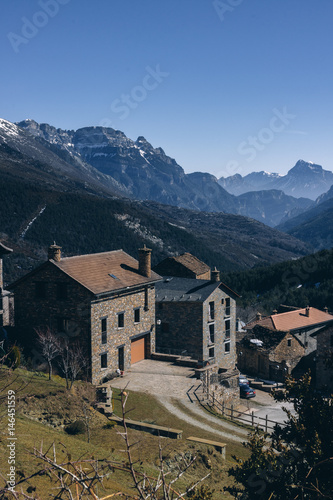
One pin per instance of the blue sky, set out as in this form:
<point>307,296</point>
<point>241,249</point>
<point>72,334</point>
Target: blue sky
<point>223,86</point>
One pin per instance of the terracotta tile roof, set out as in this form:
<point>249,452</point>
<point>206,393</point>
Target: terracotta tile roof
<point>104,272</point>
<point>191,262</point>
<point>293,320</point>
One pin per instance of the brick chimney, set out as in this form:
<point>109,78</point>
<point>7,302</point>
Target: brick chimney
<point>145,261</point>
<point>215,275</point>
<point>307,311</point>
<point>54,252</point>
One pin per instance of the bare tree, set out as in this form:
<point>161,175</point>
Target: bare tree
<point>72,360</point>
<point>49,345</point>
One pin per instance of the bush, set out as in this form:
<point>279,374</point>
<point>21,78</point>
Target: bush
<point>14,357</point>
<point>76,427</point>
<point>110,424</point>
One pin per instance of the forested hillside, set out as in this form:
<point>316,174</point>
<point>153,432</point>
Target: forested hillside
<point>301,282</point>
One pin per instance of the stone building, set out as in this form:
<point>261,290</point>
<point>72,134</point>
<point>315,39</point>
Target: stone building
<point>197,318</point>
<point>106,300</point>
<point>6,299</point>
<point>324,358</point>
<point>185,265</point>
<point>281,344</point>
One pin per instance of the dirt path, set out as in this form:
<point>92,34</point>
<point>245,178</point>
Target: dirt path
<point>169,383</point>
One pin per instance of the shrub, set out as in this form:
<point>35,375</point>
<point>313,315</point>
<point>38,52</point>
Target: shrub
<point>110,424</point>
<point>76,427</point>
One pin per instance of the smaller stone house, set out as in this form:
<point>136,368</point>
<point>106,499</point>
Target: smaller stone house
<point>269,354</point>
<point>269,349</point>
<point>185,265</point>
<point>196,318</point>
<point>106,300</point>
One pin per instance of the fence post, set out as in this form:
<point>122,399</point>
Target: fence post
<point>252,418</point>
<point>266,423</point>
<point>232,412</point>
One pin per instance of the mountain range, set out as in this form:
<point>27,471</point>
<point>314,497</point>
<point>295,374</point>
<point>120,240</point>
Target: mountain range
<point>137,170</point>
<point>305,179</point>
<point>48,193</point>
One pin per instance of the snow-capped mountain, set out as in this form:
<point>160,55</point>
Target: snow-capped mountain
<point>305,179</point>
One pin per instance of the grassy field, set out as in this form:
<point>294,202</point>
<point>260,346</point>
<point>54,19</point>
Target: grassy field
<point>44,407</point>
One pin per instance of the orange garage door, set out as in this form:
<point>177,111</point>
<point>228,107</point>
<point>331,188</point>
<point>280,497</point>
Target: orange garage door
<point>137,350</point>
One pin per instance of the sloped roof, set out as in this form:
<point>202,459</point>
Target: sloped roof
<point>191,262</point>
<point>293,320</point>
<point>173,289</point>
<point>101,272</point>
<point>270,338</point>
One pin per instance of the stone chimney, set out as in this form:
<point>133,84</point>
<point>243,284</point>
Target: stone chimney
<point>215,275</point>
<point>258,316</point>
<point>307,311</point>
<point>145,261</point>
<point>54,252</point>
<point>275,311</point>
<point>326,309</point>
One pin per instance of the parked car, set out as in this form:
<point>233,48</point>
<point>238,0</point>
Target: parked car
<point>242,380</point>
<point>246,392</point>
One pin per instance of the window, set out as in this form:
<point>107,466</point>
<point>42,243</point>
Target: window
<point>211,311</point>
<point>104,330</point>
<point>121,320</point>
<point>227,329</point>
<point>227,306</point>
<point>104,360</point>
<point>222,301</point>
<point>146,299</point>
<point>211,352</point>
<point>165,327</point>
<point>40,290</point>
<point>62,325</point>
<point>137,315</point>
<point>227,347</point>
<point>289,342</point>
<point>212,333</point>
<point>61,291</point>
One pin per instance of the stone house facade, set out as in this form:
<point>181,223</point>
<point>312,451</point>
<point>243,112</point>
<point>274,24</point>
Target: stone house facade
<point>197,319</point>
<point>268,354</point>
<point>105,300</point>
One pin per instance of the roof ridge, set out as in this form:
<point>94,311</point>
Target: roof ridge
<point>94,254</point>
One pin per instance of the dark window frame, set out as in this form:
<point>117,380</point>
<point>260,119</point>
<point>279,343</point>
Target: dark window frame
<point>40,290</point>
<point>137,315</point>
<point>212,333</point>
<point>104,329</point>
<point>211,312</point>
<point>62,291</point>
<point>121,319</point>
<point>227,344</point>
<point>104,360</point>
<point>227,306</point>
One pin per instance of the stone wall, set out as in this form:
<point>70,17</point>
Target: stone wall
<point>179,328</point>
<point>186,326</point>
<point>324,371</point>
<point>34,312</point>
<point>223,357</point>
<point>121,337</point>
